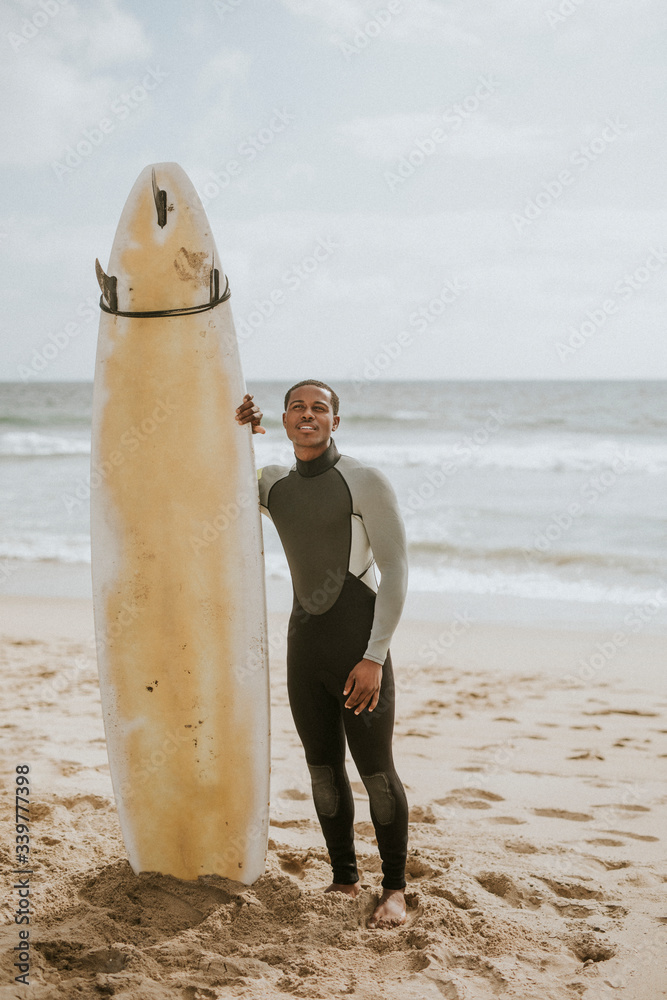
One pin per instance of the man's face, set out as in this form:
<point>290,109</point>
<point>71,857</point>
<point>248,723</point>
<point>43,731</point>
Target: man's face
<point>309,418</point>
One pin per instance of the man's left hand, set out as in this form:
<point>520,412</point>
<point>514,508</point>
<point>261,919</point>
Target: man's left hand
<point>363,686</point>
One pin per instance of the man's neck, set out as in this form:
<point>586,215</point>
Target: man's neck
<point>315,465</point>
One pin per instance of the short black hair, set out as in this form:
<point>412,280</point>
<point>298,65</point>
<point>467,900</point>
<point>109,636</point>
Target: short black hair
<point>335,402</point>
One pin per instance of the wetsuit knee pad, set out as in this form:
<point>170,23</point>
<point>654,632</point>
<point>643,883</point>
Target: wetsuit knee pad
<point>325,792</point>
<point>381,796</point>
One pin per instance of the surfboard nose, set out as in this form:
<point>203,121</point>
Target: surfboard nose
<point>164,257</point>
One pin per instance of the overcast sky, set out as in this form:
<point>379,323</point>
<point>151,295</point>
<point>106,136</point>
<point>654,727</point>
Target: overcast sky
<point>485,180</point>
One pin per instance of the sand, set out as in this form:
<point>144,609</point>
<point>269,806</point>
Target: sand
<point>537,863</point>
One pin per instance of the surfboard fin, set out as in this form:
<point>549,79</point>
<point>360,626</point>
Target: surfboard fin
<point>107,283</point>
<point>214,287</point>
<point>160,203</point>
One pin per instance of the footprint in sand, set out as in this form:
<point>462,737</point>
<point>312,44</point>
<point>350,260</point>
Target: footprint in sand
<point>590,947</point>
<point>624,711</point>
<point>161,904</point>
<point>635,836</point>
<point>294,863</point>
<point>517,892</point>
<point>286,824</point>
<point>469,798</point>
<point>521,847</point>
<point>293,793</point>
<point>68,768</point>
<point>577,910</point>
<point>563,814</point>
<point>571,889</point>
<point>65,955</point>
<point>421,814</point>
<point>80,803</point>
<point>418,868</point>
<point>627,808</point>
<point>39,811</point>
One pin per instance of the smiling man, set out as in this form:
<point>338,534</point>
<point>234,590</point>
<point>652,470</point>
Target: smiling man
<point>337,519</point>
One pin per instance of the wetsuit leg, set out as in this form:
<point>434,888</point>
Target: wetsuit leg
<point>369,737</point>
<point>322,649</point>
<point>318,721</point>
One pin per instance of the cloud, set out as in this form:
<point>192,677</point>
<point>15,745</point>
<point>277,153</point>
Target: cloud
<point>386,137</point>
<point>420,21</point>
<point>339,15</point>
<point>217,73</point>
<point>62,78</point>
<point>390,137</point>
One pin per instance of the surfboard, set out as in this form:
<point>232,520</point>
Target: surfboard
<point>177,556</point>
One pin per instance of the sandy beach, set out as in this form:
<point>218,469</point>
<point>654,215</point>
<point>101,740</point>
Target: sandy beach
<point>536,869</point>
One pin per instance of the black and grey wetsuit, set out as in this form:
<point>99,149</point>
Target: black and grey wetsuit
<point>337,518</point>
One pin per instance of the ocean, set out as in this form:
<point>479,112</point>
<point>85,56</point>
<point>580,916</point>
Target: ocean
<point>529,501</point>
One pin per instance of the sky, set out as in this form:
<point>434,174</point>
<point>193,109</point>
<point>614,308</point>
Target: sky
<point>452,190</point>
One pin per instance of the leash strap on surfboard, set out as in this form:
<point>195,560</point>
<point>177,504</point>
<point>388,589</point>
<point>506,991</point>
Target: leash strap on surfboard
<point>109,297</point>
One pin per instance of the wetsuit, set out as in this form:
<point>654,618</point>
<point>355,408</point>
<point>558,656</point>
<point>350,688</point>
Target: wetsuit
<point>336,518</point>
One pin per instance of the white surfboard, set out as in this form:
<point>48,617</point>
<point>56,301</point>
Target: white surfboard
<point>177,564</point>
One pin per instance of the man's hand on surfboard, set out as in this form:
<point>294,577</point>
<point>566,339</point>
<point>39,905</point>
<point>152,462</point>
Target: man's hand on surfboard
<point>363,686</point>
<point>247,411</point>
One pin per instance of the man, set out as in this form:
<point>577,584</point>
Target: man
<point>336,518</point>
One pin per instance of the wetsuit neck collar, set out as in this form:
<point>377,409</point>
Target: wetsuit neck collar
<point>320,464</point>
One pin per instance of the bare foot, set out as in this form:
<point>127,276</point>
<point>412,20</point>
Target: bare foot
<point>349,890</point>
<point>390,911</point>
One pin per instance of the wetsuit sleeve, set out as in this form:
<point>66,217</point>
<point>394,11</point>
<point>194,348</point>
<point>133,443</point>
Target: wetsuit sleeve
<point>263,492</point>
<point>376,501</point>
<point>266,477</point>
